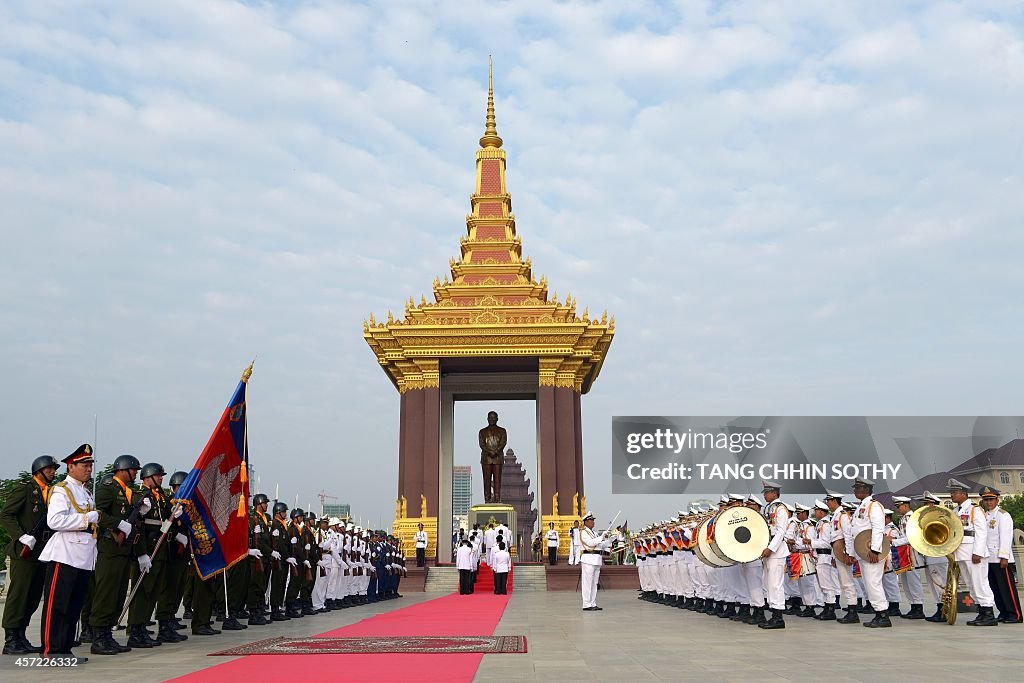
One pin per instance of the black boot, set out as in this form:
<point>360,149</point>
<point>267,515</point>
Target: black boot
<point>308,610</point>
<point>256,618</point>
<point>730,611</point>
<point>775,622</point>
<point>278,615</point>
<point>794,606</point>
<point>852,616</point>
<point>103,642</point>
<point>864,607</point>
<point>86,636</point>
<point>742,614</point>
<point>168,634</point>
<point>187,614</point>
<point>985,618</point>
<point>204,630</point>
<point>937,617</point>
<point>13,644</point>
<point>881,620</point>
<point>894,610</point>
<point>232,624</point>
<point>827,614</point>
<point>916,612</point>
<point>807,611</point>
<point>138,638</point>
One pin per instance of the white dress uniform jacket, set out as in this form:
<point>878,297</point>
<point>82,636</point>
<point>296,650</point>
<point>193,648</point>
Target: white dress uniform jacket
<point>70,511</point>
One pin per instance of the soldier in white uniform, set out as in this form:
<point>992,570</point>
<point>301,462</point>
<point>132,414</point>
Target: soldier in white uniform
<point>972,553</point>
<point>70,555</point>
<point>752,578</point>
<point>810,593</point>
<point>551,537</point>
<point>774,556</point>
<point>935,569</point>
<point>870,516</point>
<point>575,548</point>
<point>841,526</point>
<point>890,580</point>
<point>594,546</point>
<point>1001,567</point>
<point>421,540</point>
<point>828,578</point>
<point>910,580</point>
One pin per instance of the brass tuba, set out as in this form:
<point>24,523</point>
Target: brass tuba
<point>936,531</point>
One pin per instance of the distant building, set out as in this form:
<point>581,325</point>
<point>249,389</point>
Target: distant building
<point>515,490</point>
<point>342,510</point>
<point>462,490</point>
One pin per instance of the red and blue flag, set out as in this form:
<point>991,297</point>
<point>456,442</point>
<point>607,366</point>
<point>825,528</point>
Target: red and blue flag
<point>215,494</point>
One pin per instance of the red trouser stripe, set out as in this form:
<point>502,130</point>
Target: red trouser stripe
<point>49,609</point>
<point>1013,592</point>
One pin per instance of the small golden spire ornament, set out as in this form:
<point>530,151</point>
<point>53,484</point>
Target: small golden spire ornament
<point>490,138</point>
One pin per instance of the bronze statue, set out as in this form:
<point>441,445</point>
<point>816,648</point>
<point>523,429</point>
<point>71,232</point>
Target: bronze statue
<point>492,456</point>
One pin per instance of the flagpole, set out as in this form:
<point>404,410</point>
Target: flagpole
<point>95,442</point>
<point>227,608</point>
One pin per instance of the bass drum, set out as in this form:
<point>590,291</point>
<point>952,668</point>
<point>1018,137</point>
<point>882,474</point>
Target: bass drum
<point>740,535</point>
<point>704,543</point>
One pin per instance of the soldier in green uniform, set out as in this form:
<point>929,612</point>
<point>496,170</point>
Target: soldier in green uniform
<point>116,552</point>
<point>280,551</point>
<point>151,570</point>
<point>24,519</point>
<point>296,558</point>
<point>203,593</point>
<point>259,558</point>
<point>312,558</point>
<point>177,566</point>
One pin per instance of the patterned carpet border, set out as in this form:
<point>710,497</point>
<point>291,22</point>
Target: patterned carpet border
<point>441,645</point>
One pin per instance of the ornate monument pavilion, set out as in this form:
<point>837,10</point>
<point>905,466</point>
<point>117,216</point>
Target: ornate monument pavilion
<point>492,331</point>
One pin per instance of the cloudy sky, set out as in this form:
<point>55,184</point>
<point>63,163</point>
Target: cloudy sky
<point>790,207</point>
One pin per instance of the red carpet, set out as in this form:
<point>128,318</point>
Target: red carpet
<point>452,615</point>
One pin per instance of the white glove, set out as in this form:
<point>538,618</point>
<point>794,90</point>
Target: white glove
<point>145,564</point>
<point>276,555</point>
<point>145,506</point>
<point>307,546</point>
<point>255,552</point>
<point>176,512</point>
<point>306,562</point>
<point>28,540</point>
<point>323,563</point>
<point>295,540</point>
<point>92,516</point>
<point>124,527</point>
<point>292,561</point>
<point>277,532</point>
<point>257,529</point>
<point>182,539</point>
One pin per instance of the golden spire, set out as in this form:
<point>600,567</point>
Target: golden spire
<point>490,138</point>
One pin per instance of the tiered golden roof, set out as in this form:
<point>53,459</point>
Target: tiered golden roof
<point>492,306</point>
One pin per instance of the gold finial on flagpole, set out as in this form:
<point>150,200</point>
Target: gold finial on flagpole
<point>247,373</point>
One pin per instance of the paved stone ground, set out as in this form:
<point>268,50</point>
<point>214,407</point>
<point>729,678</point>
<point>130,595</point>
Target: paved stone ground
<point>632,640</point>
<point>172,660</point>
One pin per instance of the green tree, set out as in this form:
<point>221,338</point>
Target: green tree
<point>1015,506</point>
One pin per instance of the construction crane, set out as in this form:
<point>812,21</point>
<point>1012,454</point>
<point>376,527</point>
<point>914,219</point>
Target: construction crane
<point>323,496</point>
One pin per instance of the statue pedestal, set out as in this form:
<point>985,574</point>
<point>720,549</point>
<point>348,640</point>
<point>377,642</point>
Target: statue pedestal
<point>498,513</point>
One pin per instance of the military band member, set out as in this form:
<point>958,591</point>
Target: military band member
<point>890,580</point>
<point>594,546</point>
<point>828,577</point>
<point>70,554</point>
<point>260,560</point>
<point>870,516</point>
<point>752,574</point>
<point>774,556</point>
<point>1002,576</point>
<point>280,552</point>
<point>972,553</point>
<point>24,519</point>
<point>909,580</point>
<point>178,568</point>
<point>324,566</point>
<point>935,569</point>
<point>117,552</point>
